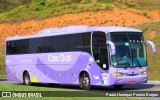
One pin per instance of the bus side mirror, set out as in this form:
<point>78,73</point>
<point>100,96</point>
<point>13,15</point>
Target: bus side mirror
<point>152,45</point>
<point>113,50</point>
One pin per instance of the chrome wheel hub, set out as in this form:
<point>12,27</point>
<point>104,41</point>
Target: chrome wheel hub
<point>86,81</point>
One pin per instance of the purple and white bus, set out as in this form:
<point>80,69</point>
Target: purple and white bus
<point>79,55</point>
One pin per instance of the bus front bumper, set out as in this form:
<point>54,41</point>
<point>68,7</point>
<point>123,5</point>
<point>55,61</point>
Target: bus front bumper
<point>129,80</point>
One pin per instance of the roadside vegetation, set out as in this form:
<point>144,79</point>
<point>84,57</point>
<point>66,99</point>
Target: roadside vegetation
<point>22,10</point>
<point>144,4</point>
<point>40,9</point>
<point>6,5</point>
<point>83,95</point>
<point>138,4</point>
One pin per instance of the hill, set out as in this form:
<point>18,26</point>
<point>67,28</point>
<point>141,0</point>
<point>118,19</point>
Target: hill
<point>7,5</point>
<point>42,9</point>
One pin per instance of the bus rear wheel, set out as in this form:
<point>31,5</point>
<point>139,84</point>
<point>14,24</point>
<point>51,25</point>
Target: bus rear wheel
<point>26,79</point>
<point>85,82</point>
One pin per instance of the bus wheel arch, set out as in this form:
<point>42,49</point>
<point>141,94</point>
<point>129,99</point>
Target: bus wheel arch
<point>26,78</point>
<point>85,80</point>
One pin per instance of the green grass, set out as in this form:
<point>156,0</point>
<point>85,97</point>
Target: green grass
<point>71,98</point>
<point>6,5</point>
<point>153,60</point>
<point>137,4</point>
<point>147,4</point>
<point>40,9</point>
<point>105,1</point>
<point>15,87</point>
<point>130,5</point>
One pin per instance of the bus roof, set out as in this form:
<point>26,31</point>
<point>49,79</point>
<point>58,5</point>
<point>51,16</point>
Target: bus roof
<point>74,30</point>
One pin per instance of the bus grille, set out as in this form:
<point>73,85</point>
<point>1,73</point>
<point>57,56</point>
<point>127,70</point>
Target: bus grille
<point>132,74</point>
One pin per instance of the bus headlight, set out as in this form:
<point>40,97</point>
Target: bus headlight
<point>144,72</point>
<point>117,74</point>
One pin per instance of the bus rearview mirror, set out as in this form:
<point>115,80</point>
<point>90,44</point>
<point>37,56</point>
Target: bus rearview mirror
<point>113,50</point>
<point>152,45</point>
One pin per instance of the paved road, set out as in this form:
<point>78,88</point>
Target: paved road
<point>150,86</point>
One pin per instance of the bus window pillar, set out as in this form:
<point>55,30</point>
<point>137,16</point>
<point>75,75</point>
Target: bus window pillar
<point>113,48</point>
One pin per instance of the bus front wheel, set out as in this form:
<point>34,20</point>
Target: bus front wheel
<point>85,82</point>
<point>26,79</point>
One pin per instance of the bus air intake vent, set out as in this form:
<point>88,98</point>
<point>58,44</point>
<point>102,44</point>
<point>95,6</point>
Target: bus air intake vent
<point>132,74</point>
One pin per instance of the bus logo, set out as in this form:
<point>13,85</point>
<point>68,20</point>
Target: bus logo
<point>59,58</point>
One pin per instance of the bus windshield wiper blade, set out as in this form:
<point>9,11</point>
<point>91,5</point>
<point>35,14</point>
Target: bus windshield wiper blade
<point>138,62</point>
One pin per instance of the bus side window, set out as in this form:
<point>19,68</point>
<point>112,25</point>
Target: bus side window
<point>11,49</point>
<point>99,49</point>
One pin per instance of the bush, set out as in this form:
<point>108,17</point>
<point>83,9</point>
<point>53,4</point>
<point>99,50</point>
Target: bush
<point>129,4</point>
<point>37,9</point>
<point>43,3</point>
<point>105,1</point>
<point>71,1</point>
<point>87,1</point>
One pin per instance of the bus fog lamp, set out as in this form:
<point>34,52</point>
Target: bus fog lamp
<point>117,74</point>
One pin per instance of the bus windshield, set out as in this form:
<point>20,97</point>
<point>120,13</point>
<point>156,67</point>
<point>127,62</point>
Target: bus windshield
<point>130,49</point>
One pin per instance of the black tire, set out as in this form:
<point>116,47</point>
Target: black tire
<point>85,82</point>
<point>118,87</point>
<point>80,81</point>
<point>26,79</point>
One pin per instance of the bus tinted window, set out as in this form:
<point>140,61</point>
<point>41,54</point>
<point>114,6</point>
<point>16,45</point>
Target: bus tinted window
<point>11,49</point>
<point>99,49</point>
<point>61,43</point>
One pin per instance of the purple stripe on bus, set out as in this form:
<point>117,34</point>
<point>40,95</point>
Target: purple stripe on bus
<point>11,75</point>
<point>74,69</point>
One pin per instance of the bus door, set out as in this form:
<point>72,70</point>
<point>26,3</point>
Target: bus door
<point>100,54</point>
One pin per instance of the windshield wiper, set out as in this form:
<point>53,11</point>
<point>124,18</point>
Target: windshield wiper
<point>138,63</point>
